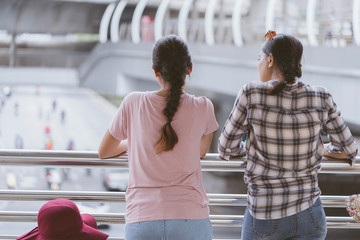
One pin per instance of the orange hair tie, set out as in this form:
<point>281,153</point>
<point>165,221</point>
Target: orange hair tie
<point>270,35</point>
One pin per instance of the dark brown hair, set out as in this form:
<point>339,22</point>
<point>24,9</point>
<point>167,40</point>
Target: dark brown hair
<point>287,52</point>
<point>171,58</point>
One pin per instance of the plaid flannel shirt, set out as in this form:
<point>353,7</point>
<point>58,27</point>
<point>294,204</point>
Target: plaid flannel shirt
<point>284,147</point>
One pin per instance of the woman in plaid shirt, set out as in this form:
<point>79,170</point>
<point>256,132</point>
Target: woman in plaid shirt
<point>283,118</point>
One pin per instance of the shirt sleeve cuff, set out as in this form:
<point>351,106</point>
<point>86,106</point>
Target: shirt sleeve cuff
<point>225,155</point>
<point>333,149</point>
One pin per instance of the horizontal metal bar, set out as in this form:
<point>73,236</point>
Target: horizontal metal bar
<point>333,201</point>
<point>212,161</point>
<point>44,195</point>
<point>62,162</point>
<point>110,238</point>
<point>342,222</point>
<point>112,218</point>
<point>11,237</point>
<point>216,220</point>
<point>47,153</point>
<point>96,196</point>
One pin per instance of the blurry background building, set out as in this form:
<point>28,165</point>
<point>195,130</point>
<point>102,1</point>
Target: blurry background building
<point>33,31</point>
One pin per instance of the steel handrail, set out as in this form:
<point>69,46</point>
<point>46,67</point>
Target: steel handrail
<point>216,220</point>
<point>212,161</point>
<point>11,237</point>
<point>235,200</point>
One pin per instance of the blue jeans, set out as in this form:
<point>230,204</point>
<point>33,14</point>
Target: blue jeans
<point>172,229</point>
<point>309,224</point>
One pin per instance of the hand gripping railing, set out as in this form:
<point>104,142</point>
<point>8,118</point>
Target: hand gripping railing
<point>212,162</point>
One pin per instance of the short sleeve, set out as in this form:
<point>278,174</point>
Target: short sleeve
<point>118,127</point>
<point>212,124</point>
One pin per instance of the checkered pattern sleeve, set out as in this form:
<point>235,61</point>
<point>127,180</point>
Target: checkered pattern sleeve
<point>229,143</point>
<point>339,134</point>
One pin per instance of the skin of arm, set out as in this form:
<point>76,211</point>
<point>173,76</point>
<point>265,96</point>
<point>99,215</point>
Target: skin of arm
<point>205,144</point>
<point>111,147</point>
<point>341,155</point>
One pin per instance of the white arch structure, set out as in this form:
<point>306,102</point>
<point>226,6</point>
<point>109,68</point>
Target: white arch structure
<point>209,22</point>
<point>159,19</point>
<point>104,24</point>
<point>270,15</point>
<point>310,22</point>
<point>136,21</point>
<point>183,15</point>
<point>114,11</point>
<point>115,21</point>
<point>236,23</point>
<point>356,21</point>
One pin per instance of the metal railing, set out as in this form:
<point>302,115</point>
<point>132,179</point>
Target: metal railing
<point>319,24</point>
<point>212,162</point>
<point>231,200</point>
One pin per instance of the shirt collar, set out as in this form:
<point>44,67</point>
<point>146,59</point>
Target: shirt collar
<point>289,87</point>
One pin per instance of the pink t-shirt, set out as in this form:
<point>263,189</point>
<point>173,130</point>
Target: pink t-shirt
<point>166,185</point>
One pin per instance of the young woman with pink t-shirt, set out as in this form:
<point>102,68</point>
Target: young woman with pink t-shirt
<point>165,132</point>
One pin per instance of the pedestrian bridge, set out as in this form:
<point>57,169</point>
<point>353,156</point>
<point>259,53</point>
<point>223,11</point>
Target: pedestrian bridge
<point>225,38</point>
<point>337,169</point>
<point>220,71</point>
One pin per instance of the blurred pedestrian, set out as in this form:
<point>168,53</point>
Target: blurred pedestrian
<point>62,116</point>
<point>60,219</point>
<point>11,180</point>
<point>16,108</point>
<point>19,142</point>
<point>54,105</point>
<point>284,118</point>
<point>70,146</point>
<point>47,130</point>
<point>166,133</point>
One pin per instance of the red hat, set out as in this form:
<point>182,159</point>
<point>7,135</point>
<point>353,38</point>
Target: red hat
<point>60,219</point>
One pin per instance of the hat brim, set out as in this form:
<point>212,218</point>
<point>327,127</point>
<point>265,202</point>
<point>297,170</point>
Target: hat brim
<point>30,235</point>
<point>86,233</point>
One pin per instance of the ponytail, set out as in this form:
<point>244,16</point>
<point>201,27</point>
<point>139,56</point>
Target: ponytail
<point>171,58</point>
<point>169,138</point>
<point>287,52</point>
<point>279,87</point>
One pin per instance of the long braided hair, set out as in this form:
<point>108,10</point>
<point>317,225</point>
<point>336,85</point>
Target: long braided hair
<point>287,52</point>
<point>171,58</point>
